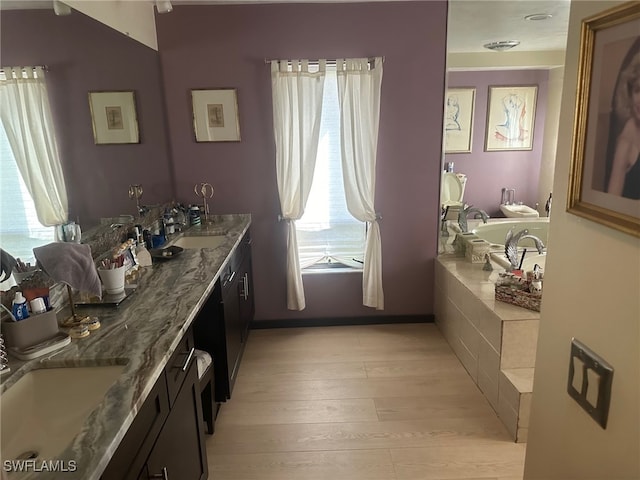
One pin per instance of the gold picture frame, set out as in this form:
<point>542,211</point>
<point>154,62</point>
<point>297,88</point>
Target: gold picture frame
<point>599,187</point>
<point>458,119</point>
<point>511,117</point>
<point>113,117</point>
<point>215,115</point>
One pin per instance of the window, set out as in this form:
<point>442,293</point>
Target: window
<point>328,235</point>
<point>20,230</point>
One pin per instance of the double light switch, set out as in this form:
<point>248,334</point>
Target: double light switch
<point>590,378</point>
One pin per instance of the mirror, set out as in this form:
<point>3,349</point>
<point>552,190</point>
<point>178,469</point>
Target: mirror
<point>473,70</point>
<point>83,55</point>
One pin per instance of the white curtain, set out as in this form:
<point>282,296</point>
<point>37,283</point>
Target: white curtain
<point>26,117</point>
<point>297,110</point>
<point>359,93</point>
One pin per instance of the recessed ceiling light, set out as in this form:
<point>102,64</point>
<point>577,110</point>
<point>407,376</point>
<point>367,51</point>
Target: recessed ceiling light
<point>538,16</point>
<point>502,45</point>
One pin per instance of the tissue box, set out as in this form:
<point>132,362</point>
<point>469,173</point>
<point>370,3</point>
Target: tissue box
<point>460,243</point>
<point>30,331</point>
<point>476,249</point>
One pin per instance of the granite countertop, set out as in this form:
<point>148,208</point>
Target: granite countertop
<point>141,333</point>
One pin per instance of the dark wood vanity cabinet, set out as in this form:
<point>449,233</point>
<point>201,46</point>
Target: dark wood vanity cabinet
<point>179,452</point>
<point>222,327</point>
<point>166,439</point>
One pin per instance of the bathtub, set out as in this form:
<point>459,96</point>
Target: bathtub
<point>531,259</point>
<point>495,230</point>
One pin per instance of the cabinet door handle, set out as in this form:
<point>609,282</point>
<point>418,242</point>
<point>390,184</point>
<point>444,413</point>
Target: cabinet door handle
<point>231,277</point>
<point>188,360</point>
<point>245,286</point>
<point>162,476</point>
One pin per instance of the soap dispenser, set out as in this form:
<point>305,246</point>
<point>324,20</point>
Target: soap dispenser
<point>19,307</point>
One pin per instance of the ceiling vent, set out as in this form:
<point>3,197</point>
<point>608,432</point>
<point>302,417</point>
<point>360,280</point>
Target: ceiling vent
<point>537,17</point>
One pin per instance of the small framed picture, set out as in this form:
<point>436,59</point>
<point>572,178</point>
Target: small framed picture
<point>458,120</point>
<point>215,115</point>
<point>511,117</point>
<point>113,116</point>
<point>604,181</point>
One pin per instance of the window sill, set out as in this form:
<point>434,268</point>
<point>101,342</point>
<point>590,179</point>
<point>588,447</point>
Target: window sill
<point>329,270</point>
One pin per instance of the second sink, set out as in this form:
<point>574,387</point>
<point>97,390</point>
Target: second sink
<point>199,241</point>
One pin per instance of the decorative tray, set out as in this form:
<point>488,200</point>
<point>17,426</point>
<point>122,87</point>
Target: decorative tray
<point>54,343</point>
<point>166,253</point>
<point>107,300</point>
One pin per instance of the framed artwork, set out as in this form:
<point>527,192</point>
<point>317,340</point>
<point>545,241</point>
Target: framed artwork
<point>458,120</point>
<point>511,117</point>
<point>215,115</point>
<point>604,180</point>
<point>113,116</point>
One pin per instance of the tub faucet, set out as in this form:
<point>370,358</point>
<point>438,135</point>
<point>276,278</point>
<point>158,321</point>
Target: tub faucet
<point>508,196</point>
<point>465,212</point>
<point>511,246</point>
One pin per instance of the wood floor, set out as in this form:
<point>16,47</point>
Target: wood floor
<point>374,402</point>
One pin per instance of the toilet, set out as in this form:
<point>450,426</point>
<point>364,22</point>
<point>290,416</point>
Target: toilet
<point>452,194</point>
<point>452,189</point>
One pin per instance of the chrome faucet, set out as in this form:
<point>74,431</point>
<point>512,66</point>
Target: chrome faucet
<point>508,196</point>
<point>465,212</point>
<point>511,246</point>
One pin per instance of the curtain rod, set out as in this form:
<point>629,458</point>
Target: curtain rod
<point>44,67</point>
<point>314,62</point>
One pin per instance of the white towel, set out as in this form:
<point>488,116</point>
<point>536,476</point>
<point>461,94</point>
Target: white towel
<point>70,263</point>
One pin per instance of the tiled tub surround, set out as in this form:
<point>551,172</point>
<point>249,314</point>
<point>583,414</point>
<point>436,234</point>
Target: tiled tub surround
<point>495,341</point>
<point>142,333</point>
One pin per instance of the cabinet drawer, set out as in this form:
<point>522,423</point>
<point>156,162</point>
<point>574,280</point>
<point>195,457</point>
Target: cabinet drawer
<point>178,365</point>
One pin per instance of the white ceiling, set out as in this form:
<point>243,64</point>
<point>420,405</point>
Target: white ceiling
<point>471,23</point>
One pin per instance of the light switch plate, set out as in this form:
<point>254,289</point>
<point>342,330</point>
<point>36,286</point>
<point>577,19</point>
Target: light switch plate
<point>594,392</point>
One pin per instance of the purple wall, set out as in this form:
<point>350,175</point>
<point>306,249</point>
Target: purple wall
<point>82,55</point>
<point>488,172</point>
<point>225,46</point>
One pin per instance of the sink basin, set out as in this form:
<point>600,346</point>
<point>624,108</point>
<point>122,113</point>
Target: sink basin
<point>46,408</point>
<point>518,211</point>
<point>199,241</point>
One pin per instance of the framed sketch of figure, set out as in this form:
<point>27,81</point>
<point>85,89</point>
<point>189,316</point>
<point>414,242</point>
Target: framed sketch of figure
<point>458,120</point>
<point>511,116</point>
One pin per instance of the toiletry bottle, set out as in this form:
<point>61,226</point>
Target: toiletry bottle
<point>19,307</point>
<point>194,215</point>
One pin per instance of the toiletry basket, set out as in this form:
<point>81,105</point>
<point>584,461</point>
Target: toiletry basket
<point>521,298</point>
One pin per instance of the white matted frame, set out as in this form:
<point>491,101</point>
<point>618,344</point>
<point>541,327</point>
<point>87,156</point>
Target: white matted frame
<point>113,117</point>
<point>602,184</point>
<point>458,119</point>
<point>511,117</point>
<point>215,115</point>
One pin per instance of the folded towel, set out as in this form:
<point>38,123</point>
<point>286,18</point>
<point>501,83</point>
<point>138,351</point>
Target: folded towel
<point>70,263</point>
